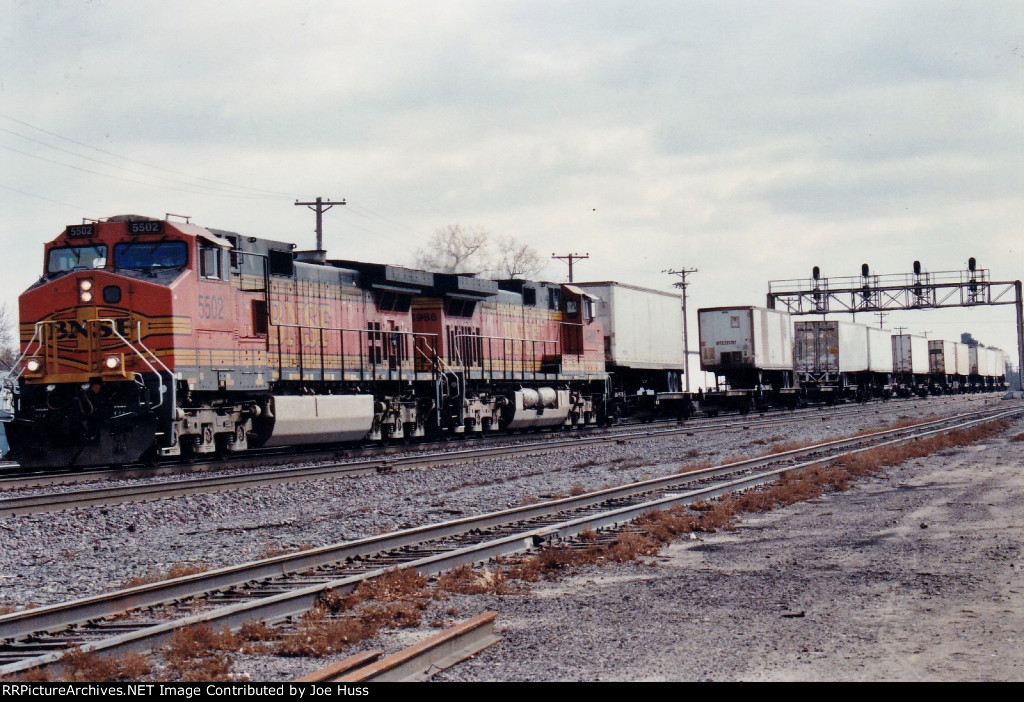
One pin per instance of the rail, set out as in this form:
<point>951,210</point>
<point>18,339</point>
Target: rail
<point>560,518</point>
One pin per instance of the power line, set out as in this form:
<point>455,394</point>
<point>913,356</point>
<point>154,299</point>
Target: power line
<point>142,163</point>
<point>127,180</point>
<point>570,258</point>
<point>320,206</point>
<point>682,285</point>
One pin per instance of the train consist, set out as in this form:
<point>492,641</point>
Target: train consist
<point>147,338</point>
<point>761,358</point>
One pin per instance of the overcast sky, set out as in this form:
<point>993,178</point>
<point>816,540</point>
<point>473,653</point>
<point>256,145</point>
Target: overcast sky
<point>751,140</point>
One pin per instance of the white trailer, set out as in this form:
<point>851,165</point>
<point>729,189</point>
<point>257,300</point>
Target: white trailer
<point>909,354</point>
<point>644,327</point>
<point>942,357</point>
<point>963,359</point>
<point>752,338</point>
<point>879,350</point>
<point>825,348</point>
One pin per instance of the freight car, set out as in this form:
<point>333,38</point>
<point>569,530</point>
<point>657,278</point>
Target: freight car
<point>837,361</point>
<point>146,338</point>
<point>829,362</point>
<point>643,348</point>
<point>750,352</point>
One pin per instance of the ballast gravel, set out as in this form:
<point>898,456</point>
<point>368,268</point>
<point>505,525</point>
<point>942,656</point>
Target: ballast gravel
<point>914,575</point>
<point>56,557</point>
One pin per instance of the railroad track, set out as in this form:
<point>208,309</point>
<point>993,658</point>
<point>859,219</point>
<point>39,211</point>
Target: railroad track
<point>13,477</point>
<point>147,491</point>
<point>144,617</point>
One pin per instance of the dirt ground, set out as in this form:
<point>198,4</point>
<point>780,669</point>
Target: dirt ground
<point>916,575</point>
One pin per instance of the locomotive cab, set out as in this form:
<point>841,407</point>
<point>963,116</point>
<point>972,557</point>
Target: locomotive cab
<point>90,387</point>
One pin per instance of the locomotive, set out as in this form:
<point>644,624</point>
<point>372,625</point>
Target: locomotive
<point>148,338</point>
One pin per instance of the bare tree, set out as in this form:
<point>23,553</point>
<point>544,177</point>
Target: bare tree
<point>461,249</point>
<point>8,341</point>
<point>455,249</point>
<point>517,260</point>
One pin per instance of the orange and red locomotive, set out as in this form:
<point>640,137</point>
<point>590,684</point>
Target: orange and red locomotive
<point>146,338</point>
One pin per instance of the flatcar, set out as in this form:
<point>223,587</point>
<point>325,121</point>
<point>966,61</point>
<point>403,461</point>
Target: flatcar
<point>761,358</point>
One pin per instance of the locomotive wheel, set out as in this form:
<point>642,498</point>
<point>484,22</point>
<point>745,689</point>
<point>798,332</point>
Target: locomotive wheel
<point>150,458</point>
<point>222,451</point>
<point>188,450</point>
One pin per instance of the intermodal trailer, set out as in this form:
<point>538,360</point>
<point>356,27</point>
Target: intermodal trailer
<point>750,352</point>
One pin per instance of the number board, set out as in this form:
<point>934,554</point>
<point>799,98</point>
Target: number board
<point>145,227</point>
<point>80,231</point>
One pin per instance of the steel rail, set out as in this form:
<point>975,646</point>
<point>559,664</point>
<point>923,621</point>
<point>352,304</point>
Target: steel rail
<point>102,497</point>
<point>62,476</point>
<point>60,616</point>
<point>284,605</point>
<point>418,662</point>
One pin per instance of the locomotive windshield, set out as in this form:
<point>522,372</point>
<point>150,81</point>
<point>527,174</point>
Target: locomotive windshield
<point>158,254</point>
<point>70,258</point>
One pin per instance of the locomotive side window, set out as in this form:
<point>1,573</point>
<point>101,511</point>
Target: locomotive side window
<point>161,254</point>
<point>530,297</point>
<point>554,298</point>
<point>72,258</point>
<point>209,261</point>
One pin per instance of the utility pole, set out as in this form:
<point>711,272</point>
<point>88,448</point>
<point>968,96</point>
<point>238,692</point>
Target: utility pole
<point>881,319</point>
<point>320,206</point>
<point>682,273</point>
<point>570,258</point>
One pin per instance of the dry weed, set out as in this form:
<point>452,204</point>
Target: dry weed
<point>469,581</point>
<point>87,666</point>
<point>178,570</point>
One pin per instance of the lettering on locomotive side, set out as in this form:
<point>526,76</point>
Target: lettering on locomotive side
<point>211,307</point>
<point>74,329</point>
<point>424,316</point>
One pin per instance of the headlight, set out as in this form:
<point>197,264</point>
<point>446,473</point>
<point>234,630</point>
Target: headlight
<point>33,365</point>
<point>112,362</point>
<point>85,293</point>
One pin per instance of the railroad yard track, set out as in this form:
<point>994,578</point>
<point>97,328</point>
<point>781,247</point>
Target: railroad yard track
<point>13,477</point>
<point>274,589</point>
<point>49,501</point>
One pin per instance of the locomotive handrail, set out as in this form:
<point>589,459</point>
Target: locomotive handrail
<point>16,369</point>
<point>361,332</point>
<point>113,329</point>
<point>457,351</point>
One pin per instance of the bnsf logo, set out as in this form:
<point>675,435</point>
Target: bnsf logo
<point>73,329</point>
